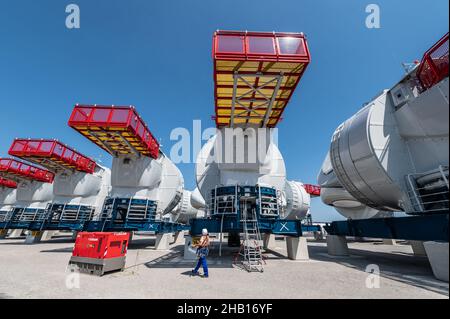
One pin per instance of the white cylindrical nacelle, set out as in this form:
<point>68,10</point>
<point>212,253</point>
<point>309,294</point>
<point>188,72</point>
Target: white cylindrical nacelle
<point>333,194</point>
<point>147,178</point>
<point>364,151</point>
<point>80,188</point>
<point>215,167</point>
<point>33,194</point>
<point>298,201</point>
<point>392,155</point>
<point>197,200</point>
<point>184,210</point>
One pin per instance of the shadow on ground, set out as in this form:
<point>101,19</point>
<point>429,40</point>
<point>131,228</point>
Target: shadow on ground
<point>397,265</point>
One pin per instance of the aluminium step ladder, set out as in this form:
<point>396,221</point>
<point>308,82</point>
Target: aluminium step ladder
<point>251,248</point>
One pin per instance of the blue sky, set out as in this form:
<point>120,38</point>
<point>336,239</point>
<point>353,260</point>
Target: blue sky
<point>156,55</point>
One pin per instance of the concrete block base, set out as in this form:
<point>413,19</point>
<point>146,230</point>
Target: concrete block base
<point>48,234</point>
<point>178,238</point>
<point>269,241</point>
<point>418,248</point>
<point>297,248</point>
<point>337,245</point>
<point>162,241</point>
<point>34,237</point>
<point>15,233</point>
<point>437,253</point>
<point>388,241</point>
<point>190,253</point>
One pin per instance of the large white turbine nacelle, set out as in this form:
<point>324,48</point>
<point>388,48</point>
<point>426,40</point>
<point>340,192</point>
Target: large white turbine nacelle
<point>393,154</point>
<point>76,179</point>
<point>34,186</point>
<point>147,178</point>
<point>197,200</point>
<point>141,172</point>
<point>80,188</point>
<point>185,211</point>
<point>71,188</point>
<point>214,169</point>
<point>333,194</point>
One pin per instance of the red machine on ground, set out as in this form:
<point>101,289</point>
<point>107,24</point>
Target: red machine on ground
<point>99,253</point>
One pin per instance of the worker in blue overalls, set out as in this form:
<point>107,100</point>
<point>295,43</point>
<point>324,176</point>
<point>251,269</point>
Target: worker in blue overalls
<point>202,253</point>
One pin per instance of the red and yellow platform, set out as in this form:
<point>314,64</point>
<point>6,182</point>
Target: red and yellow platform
<point>255,75</point>
<point>118,130</point>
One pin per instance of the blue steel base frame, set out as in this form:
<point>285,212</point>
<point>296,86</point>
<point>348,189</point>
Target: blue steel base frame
<point>97,226</point>
<point>227,218</point>
<point>154,226</point>
<point>46,221</point>
<point>117,212</point>
<point>292,228</point>
<point>433,227</point>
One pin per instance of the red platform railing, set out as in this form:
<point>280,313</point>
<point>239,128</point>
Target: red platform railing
<point>313,190</point>
<point>434,65</point>
<point>13,169</point>
<point>51,154</point>
<point>116,129</point>
<point>255,75</point>
<point>7,183</point>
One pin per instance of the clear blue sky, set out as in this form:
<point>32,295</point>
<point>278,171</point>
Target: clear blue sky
<point>156,55</point>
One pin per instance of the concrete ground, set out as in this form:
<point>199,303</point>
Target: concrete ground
<point>40,271</point>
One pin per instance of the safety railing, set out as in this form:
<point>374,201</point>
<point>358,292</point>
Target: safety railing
<point>313,190</point>
<point>434,65</point>
<point>51,154</point>
<point>11,168</point>
<point>430,197</point>
<point>7,183</point>
<point>116,129</point>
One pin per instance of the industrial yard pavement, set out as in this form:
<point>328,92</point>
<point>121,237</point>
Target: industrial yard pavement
<point>40,271</point>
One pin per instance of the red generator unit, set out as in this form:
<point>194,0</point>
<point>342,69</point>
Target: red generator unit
<point>100,253</point>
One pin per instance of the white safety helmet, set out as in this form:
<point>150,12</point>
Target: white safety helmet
<point>204,232</point>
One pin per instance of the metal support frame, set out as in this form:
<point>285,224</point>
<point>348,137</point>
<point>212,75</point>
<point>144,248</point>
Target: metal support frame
<point>225,223</point>
<point>114,153</point>
<point>441,170</point>
<point>283,227</point>
<point>156,226</point>
<point>132,148</point>
<point>267,102</point>
<point>421,202</point>
<point>149,221</point>
<point>43,219</point>
<point>52,163</point>
<point>427,227</point>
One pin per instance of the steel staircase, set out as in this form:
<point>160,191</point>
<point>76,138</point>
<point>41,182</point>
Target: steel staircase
<point>251,248</point>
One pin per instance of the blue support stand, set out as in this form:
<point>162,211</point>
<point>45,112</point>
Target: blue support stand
<point>432,227</point>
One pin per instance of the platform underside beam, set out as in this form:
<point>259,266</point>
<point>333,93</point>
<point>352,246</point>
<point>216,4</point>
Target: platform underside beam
<point>261,110</point>
<point>422,228</point>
